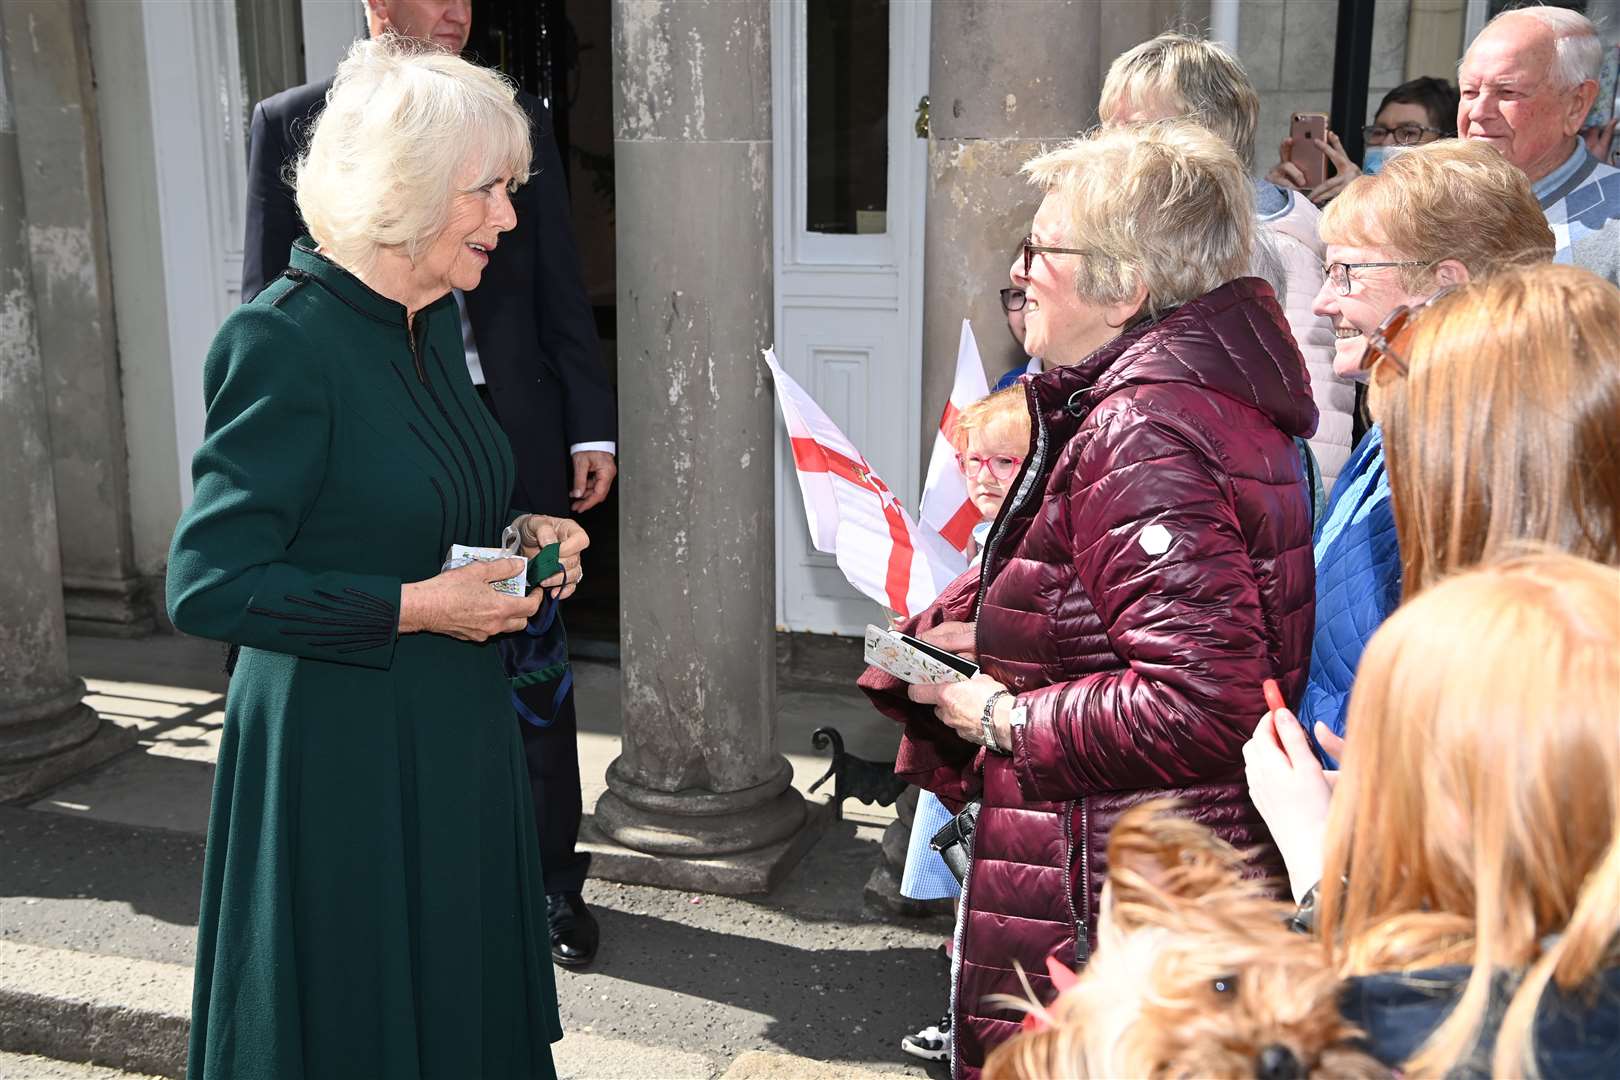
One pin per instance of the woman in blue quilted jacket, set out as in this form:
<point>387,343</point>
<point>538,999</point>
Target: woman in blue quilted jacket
<point>1435,216</point>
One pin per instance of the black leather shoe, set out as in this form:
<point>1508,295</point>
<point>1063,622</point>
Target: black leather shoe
<point>574,933</point>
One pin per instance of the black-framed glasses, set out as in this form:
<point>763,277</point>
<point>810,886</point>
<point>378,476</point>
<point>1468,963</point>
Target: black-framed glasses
<point>1032,249</point>
<point>1400,134</point>
<point>1013,299</point>
<point>1390,340</point>
<point>1339,272</point>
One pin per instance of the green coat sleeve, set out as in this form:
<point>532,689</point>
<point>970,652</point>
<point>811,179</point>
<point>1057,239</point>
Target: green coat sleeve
<point>256,476</point>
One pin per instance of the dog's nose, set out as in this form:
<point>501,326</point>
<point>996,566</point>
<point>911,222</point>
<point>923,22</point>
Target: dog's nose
<point>1278,1062</point>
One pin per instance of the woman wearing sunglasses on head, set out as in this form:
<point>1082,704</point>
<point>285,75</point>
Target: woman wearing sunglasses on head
<point>1150,568</point>
<point>1439,216</point>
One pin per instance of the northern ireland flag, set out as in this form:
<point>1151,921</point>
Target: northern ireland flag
<point>854,516</point>
<point>946,507</point>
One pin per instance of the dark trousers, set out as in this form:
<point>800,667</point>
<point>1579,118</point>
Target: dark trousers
<point>552,756</point>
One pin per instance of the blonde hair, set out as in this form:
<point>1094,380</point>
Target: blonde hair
<point>1164,205</point>
<point>404,121</point>
<point>1507,427</point>
<point>1475,814</point>
<point>1451,199</point>
<point>1001,417</point>
<point>1188,77</point>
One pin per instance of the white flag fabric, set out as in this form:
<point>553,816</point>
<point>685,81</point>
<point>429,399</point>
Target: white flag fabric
<point>854,516</point>
<point>946,507</point>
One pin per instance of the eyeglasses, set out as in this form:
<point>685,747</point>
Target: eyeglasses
<point>1400,134</point>
<point>1013,299</point>
<point>1032,249</point>
<point>1339,272</point>
<point>1002,466</point>
<point>1390,340</point>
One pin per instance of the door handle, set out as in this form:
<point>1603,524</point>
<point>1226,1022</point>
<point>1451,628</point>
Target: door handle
<point>921,126</point>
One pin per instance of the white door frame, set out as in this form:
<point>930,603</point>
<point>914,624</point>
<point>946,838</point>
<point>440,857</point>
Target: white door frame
<point>330,27</point>
<point>194,76</point>
<point>862,273</point>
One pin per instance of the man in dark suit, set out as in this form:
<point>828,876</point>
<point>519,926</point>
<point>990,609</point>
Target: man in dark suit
<point>532,351</point>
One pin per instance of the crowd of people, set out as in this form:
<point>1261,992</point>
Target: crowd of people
<point>1253,781</point>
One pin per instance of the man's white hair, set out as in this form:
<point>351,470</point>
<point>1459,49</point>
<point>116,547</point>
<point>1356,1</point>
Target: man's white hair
<point>1575,37</point>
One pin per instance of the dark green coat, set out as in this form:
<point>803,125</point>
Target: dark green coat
<point>372,902</point>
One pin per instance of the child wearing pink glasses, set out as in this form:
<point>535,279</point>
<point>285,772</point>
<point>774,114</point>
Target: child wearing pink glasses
<point>991,438</point>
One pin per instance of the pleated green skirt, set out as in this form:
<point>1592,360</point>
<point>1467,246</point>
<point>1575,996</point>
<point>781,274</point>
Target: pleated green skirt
<point>372,901</point>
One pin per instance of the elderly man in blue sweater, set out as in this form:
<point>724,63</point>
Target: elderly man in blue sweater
<point>1527,83</point>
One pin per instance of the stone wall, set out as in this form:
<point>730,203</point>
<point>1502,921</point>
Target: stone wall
<point>1287,48</point>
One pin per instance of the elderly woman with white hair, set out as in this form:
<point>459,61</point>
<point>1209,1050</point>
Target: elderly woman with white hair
<point>1149,571</point>
<point>372,901</point>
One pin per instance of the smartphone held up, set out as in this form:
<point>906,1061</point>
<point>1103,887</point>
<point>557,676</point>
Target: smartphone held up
<point>1308,134</point>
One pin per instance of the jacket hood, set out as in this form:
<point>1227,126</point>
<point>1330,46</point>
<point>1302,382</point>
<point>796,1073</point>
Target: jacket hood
<point>1233,341</point>
<point>1300,220</point>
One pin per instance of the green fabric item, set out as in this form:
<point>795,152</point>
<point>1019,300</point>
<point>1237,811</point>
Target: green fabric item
<point>545,674</point>
<point>546,563</point>
<point>372,901</point>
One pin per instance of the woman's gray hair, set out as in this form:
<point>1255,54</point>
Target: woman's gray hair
<point>1165,206</point>
<point>406,127</point>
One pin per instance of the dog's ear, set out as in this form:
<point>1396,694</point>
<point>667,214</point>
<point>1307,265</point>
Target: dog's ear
<point>1152,844</point>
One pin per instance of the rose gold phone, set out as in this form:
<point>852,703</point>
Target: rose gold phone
<point>1307,154</point>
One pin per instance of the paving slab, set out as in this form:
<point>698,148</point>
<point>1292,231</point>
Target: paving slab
<point>31,1067</point>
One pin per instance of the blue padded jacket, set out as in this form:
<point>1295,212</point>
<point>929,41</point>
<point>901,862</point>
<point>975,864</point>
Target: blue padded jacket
<point>1358,580</point>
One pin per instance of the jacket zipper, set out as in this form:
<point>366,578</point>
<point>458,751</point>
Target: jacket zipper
<point>956,954</point>
<point>416,356</point>
<point>1082,943</point>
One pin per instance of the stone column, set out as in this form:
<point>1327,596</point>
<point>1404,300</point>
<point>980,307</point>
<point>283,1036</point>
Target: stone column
<point>1008,79</point>
<point>46,731</point>
<point>700,784</point>
<point>54,106</point>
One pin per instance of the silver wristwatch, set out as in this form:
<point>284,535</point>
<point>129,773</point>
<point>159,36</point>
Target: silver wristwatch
<point>987,721</point>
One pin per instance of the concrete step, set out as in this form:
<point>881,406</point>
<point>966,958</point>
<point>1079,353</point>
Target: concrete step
<point>69,1014</point>
<point>30,1067</point>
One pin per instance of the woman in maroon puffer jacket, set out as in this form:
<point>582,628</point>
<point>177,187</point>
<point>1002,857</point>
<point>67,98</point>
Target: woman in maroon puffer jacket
<point>1150,569</point>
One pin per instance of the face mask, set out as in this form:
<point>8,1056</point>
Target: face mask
<point>1377,157</point>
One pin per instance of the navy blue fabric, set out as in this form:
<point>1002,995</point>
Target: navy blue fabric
<point>1576,1035</point>
<point>1010,377</point>
<point>1358,581</point>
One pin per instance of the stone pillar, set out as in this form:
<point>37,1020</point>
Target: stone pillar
<point>700,784</point>
<point>1006,81</point>
<point>60,148</point>
<point>46,731</point>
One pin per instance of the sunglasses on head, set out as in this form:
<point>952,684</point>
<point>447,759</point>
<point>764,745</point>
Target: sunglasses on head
<point>1394,335</point>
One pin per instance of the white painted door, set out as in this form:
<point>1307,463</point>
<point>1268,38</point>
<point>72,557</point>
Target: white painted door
<point>850,175</point>
<point>195,79</point>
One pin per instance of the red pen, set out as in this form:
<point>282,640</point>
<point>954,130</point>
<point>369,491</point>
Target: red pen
<point>1274,698</point>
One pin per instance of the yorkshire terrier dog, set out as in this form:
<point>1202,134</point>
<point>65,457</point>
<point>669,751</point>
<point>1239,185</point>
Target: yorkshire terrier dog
<point>1195,975</point>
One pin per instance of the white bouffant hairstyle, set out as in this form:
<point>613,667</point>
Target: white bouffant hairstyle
<point>407,126</point>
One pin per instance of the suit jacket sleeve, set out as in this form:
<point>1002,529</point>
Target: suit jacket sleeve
<point>567,326</point>
<point>272,215</point>
<point>269,423</point>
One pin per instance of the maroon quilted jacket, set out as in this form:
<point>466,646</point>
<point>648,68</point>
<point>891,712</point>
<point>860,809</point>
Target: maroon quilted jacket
<point>1150,568</point>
